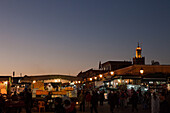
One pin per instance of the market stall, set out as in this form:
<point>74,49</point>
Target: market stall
<point>3,87</point>
<point>41,89</point>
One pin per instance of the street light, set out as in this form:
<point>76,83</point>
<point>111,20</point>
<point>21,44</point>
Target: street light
<point>91,79</point>
<point>141,71</point>
<point>100,75</point>
<point>112,73</point>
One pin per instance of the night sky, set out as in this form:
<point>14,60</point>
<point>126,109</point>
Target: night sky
<point>69,36</point>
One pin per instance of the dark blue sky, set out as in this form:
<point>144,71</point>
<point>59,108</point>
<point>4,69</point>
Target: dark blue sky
<point>67,36</point>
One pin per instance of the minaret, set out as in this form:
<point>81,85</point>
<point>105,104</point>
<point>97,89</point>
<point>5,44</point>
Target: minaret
<point>139,60</point>
<point>138,51</point>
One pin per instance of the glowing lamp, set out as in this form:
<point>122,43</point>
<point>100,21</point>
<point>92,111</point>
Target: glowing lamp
<point>112,73</point>
<point>91,79</point>
<point>5,83</point>
<point>100,75</point>
<point>118,80</point>
<point>141,71</point>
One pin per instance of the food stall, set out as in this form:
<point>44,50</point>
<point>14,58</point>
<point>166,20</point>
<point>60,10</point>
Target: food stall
<point>3,86</point>
<point>41,89</point>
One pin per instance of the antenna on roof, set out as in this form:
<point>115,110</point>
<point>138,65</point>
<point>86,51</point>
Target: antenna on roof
<point>13,73</point>
<point>138,44</point>
<point>141,45</point>
<point>100,65</point>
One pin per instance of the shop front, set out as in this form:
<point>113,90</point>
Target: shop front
<point>157,82</point>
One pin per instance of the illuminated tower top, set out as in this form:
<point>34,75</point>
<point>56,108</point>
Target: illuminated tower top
<point>138,59</point>
<point>138,51</point>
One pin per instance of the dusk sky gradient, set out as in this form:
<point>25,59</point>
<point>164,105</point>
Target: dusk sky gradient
<point>69,36</point>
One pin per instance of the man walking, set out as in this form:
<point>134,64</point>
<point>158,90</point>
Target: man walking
<point>112,101</point>
<point>94,102</point>
<point>134,101</point>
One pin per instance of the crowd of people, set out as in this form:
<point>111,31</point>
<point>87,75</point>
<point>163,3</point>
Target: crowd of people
<point>57,105</point>
<point>115,99</point>
<point>151,101</point>
<point>64,107</point>
<point>90,99</point>
<point>61,105</point>
<point>120,99</point>
<point>25,97</point>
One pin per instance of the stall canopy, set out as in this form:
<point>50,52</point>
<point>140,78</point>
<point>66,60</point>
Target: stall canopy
<point>112,89</point>
<point>48,77</point>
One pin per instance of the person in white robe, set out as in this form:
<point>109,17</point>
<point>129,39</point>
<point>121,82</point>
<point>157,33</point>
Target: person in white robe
<point>155,103</point>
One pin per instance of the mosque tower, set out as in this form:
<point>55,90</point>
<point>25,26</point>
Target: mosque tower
<point>138,51</point>
<point>138,59</point>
